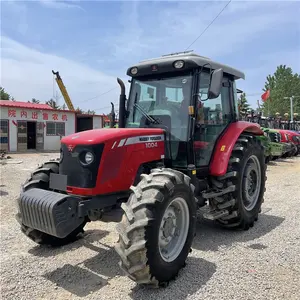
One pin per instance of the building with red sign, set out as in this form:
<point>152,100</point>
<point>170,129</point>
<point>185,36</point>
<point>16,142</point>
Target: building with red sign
<point>25,126</point>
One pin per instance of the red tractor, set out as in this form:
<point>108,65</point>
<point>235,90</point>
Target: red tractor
<point>179,147</point>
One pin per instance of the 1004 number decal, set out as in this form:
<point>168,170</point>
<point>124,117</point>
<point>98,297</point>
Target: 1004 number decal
<point>151,145</point>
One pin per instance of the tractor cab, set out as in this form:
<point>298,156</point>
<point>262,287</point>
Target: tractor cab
<point>191,97</point>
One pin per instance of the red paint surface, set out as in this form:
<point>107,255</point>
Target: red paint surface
<point>283,136</point>
<point>200,145</point>
<point>290,134</point>
<point>19,104</point>
<point>118,165</point>
<point>220,158</point>
<point>96,136</point>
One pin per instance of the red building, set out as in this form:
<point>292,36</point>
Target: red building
<point>25,126</point>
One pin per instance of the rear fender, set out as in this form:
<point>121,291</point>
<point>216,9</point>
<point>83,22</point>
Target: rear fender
<point>225,144</point>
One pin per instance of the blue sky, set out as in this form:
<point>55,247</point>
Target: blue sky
<point>93,42</point>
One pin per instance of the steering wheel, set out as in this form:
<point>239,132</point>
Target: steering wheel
<point>175,111</point>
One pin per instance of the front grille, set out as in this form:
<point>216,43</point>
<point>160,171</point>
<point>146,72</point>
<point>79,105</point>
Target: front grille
<point>78,174</point>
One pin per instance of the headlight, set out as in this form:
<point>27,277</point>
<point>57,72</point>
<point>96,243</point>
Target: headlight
<point>89,158</point>
<point>134,70</point>
<point>179,64</point>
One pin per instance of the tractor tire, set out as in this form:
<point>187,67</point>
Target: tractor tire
<point>295,151</point>
<point>268,159</point>
<point>246,172</point>
<point>160,212</point>
<point>40,179</point>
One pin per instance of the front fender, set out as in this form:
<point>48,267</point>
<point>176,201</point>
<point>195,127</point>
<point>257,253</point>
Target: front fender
<point>225,144</point>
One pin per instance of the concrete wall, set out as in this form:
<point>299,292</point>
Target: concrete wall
<point>26,114</point>
<point>97,122</point>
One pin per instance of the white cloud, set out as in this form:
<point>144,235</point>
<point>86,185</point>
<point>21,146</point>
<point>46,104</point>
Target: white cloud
<point>57,4</point>
<point>241,25</point>
<point>161,28</point>
<point>26,74</point>
<point>174,25</point>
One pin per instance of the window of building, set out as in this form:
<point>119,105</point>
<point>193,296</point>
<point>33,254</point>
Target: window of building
<point>4,135</point>
<point>3,126</point>
<point>55,128</point>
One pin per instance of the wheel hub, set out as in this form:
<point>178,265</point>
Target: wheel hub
<point>251,182</point>
<point>173,229</point>
<point>169,225</point>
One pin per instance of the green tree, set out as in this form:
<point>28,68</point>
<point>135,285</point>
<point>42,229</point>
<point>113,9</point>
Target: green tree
<point>52,103</point>
<point>243,104</point>
<point>33,100</point>
<point>283,83</point>
<point>90,112</point>
<point>5,95</point>
<point>79,110</point>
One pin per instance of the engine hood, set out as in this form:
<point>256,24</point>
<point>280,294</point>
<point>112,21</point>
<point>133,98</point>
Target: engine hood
<point>97,136</point>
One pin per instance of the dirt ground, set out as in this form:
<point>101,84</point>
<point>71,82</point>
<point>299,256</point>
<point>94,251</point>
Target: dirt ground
<point>262,263</point>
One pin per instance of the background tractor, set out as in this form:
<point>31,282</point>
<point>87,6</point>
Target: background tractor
<point>265,139</point>
<point>285,138</point>
<point>276,149</point>
<point>179,147</point>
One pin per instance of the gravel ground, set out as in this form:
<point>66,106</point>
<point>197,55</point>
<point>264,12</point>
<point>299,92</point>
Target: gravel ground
<point>262,263</point>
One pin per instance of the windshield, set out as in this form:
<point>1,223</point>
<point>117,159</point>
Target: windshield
<point>163,102</point>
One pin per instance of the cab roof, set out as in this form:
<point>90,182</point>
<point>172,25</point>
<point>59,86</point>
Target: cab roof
<point>191,60</point>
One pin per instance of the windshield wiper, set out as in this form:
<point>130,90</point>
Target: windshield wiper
<point>143,112</point>
<point>148,117</point>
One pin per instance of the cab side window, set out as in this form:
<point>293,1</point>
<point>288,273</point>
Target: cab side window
<point>214,115</point>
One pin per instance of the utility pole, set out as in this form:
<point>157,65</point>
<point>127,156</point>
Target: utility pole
<point>292,109</point>
<point>291,103</point>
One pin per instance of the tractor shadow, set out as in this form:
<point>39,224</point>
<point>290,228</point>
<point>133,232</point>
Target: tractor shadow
<point>210,236</point>
<point>3,193</point>
<point>196,274</point>
<point>287,160</point>
<point>76,280</point>
<point>92,274</point>
<point>89,276</point>
<point>83,240</point>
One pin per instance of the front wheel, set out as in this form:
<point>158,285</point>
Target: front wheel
<point>157,228</point>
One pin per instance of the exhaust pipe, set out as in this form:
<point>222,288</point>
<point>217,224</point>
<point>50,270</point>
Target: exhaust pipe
<point>122,104</point>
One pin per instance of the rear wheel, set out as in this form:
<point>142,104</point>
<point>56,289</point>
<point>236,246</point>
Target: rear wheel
<point>246,174</point>
<point>40,179</point>
<point>157,228</point>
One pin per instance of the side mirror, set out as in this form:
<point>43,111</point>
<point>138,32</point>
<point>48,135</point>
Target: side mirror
<point>215,84</point>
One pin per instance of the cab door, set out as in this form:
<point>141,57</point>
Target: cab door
<point>213,117</point>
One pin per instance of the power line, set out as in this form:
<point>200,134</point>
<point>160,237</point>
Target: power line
<point>99,95</point>
<point>208,25</point>
<point>115,105</point>
<point>185,50</point>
